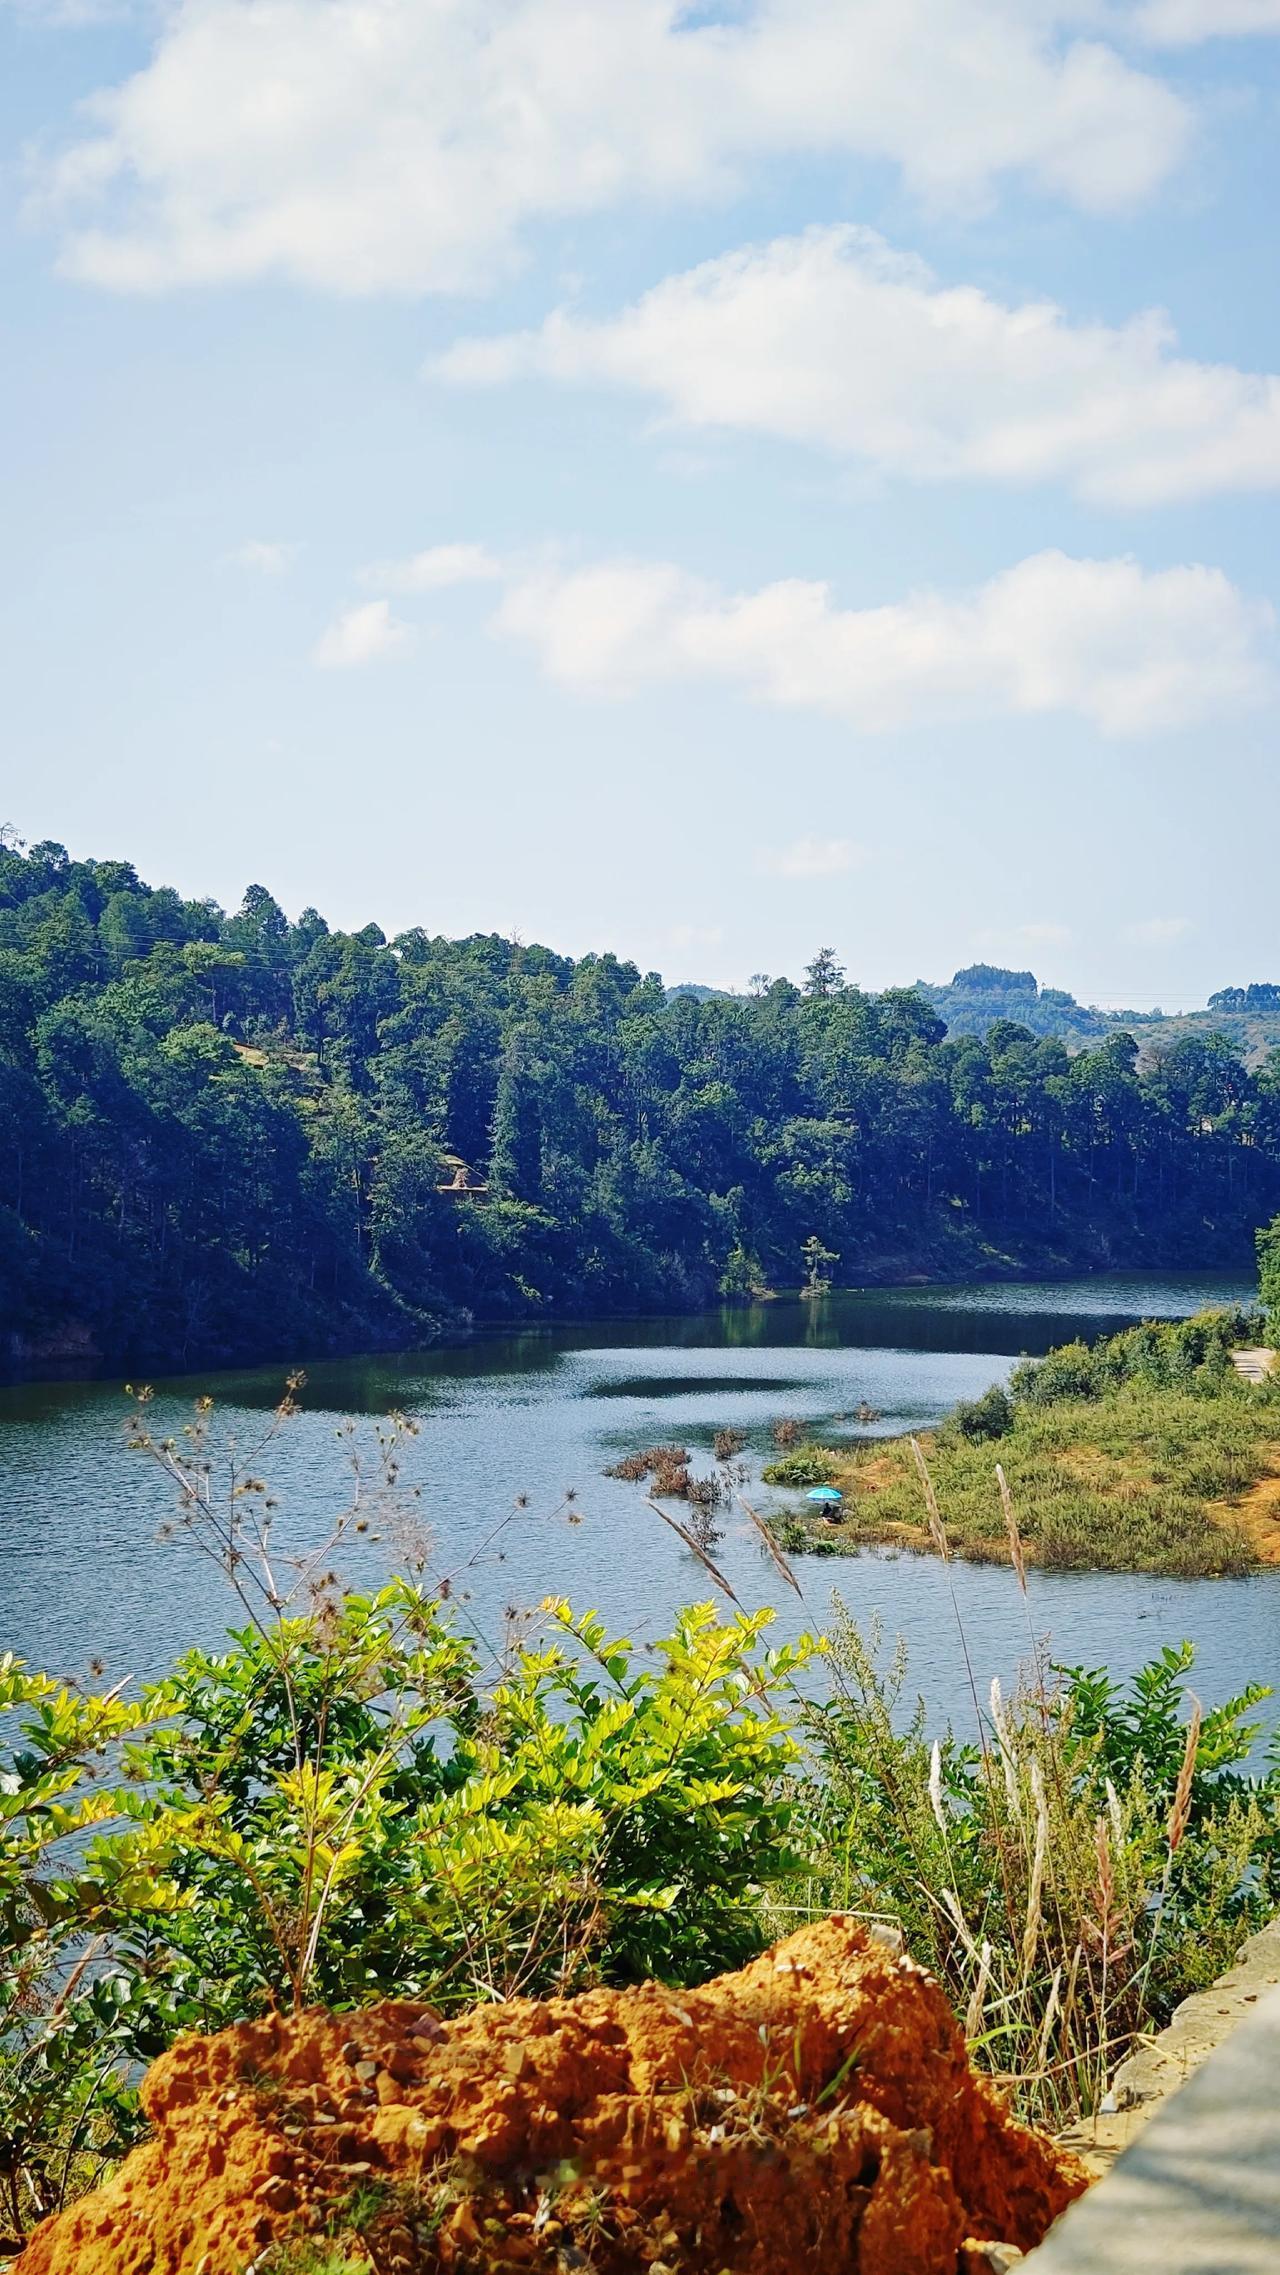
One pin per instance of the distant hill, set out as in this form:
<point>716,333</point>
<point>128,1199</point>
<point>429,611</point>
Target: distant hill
<point>982,993</point>
<point>1255,1034</point>
<point>694,993</point>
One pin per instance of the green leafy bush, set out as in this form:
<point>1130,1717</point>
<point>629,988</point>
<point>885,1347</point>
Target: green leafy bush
<point>981,1420</point>
<point>1180,1354</point>
<point>808,1465</point>
<point>337,1809</point>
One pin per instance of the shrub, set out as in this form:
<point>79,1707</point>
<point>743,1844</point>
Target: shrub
<point>1099,1854</point>
<point>1164,1354</point>
<point>808,1465</point>
<point>1072,1371</point>
<point>336,1809</point>
<point>339,1808</point>
<point>982,1419</point>
<point>728,1444</point>
<point>651,1461</point>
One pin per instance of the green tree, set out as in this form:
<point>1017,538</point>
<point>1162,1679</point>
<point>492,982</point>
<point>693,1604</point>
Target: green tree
<point>816,1261</point>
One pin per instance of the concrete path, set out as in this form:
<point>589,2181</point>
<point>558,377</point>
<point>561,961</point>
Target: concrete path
<point>1198,2192</point>
<point>1255,1366</point>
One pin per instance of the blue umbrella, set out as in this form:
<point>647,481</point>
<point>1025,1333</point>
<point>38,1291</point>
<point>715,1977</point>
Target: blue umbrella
<point>826,1498</point>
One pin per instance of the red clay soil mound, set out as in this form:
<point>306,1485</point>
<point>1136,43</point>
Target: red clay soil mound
<point>815,2112</point>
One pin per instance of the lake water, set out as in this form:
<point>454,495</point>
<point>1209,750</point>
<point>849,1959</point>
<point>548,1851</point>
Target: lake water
<point>84,1573</point>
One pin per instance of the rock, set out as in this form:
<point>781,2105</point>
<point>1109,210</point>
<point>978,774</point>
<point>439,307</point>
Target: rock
<point>728,2132</point>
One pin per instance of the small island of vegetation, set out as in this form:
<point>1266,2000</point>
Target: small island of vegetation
<point>1145,1452</point>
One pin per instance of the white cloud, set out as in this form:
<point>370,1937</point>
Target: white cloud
<point>436,569</point>
<point>1184,23</point>
<point>361,635</point>
<point>406,145</point>
<point>268,559</point>
<point>1132,652</point>
<point>1158,931</point>
<point>833,339</point>
<point>813,857</point>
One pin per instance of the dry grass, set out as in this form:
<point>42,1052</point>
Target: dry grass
<point>1142,1479</point>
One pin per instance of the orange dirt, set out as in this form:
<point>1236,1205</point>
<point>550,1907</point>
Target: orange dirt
<point>1257,1514</point>
<point>816,2111</point>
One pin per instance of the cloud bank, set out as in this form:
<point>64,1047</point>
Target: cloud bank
<point>833,339</point>
<point>1128,650</point>
<point>407,145</point>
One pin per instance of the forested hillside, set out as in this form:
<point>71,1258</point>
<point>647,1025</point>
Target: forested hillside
<point>975,998</point>
<point>229,1134</point>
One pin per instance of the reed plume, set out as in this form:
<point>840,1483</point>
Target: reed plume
<point>1011,1527</point>
<point>935,1787</point>
<point>937,1530</point>
<point>1180,1814</point>
<point>1052,2005</point>
<point>978,1995</point>
<point>1035,1892</point>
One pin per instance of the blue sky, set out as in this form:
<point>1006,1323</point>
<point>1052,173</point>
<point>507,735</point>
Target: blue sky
<point>698,482</point>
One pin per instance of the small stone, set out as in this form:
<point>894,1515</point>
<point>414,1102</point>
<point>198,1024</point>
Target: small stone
<point>366,2070</point>
<point>279,2194</point>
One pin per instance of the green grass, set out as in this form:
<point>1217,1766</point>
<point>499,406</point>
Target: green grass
<point>808,1465</point>
<point>304,2257</point>
<point>1131,1481</point>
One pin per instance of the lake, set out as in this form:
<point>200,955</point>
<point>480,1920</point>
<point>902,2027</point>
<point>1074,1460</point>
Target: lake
<point>84,1573</point>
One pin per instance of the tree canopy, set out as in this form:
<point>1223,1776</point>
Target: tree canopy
<point>236,1135</point>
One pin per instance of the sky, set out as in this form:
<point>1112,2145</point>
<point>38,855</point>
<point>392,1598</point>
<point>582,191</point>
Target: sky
<point>700,482</point>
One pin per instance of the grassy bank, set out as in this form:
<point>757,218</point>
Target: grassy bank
<point>1146,1453</point>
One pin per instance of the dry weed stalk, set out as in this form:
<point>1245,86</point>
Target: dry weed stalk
<point>762,1529</point>
<point>695,1550</point>
<point>978,1995</point>
<point>1180,1814</point>
<point>937,1530</point>
<point>1035,1891</point>
<point>935,1788</point>
<point>1011,1527</point>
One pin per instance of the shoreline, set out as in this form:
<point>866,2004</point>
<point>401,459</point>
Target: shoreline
<point>46,1364</point>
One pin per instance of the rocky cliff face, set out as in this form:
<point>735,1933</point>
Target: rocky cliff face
<point>815,2112</point>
